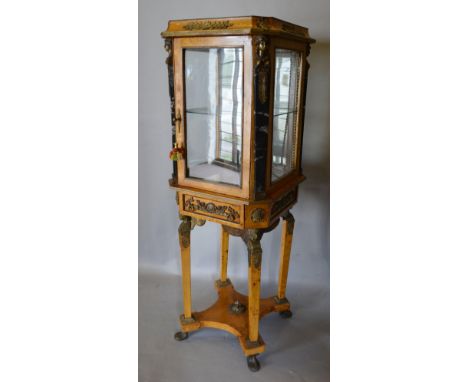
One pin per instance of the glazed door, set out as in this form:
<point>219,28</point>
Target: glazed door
<point>286,124</point>
<point>213,91</point>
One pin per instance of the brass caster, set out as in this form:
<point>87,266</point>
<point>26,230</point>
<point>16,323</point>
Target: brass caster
<point>180,336</point>
<point>252,363</point>
<point>285,314</point>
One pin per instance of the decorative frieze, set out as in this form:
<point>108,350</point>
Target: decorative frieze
<point>225,212</point>
<point>207,25</point>
<point>282,203</point>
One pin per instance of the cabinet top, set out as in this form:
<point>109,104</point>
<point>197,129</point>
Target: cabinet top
<point>245,25</point>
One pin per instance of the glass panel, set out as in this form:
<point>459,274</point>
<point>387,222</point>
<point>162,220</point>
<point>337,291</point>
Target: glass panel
<point>213,103</point>
<point>287,67</point>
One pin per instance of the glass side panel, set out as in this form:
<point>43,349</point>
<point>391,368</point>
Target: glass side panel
<point>213,107</point>
<point>287,71</point>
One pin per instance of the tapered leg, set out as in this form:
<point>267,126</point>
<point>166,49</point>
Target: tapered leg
<point>287,229</point>
<point>255,265</point>
<point>184,241</point>
<point>224,254</point>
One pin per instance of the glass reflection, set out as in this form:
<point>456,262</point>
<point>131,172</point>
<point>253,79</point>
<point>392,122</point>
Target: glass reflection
<point>287,66</point>
<point>213,102</point>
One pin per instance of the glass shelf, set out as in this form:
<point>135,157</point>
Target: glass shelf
<point>208,111</point>
<point>282,111</point>
<point>200,110</point>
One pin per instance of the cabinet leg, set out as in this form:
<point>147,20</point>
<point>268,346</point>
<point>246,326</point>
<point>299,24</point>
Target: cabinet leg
<point>255,265</point>
<point>287,228</point>
<point>184,241</point>
<point>224,254</point>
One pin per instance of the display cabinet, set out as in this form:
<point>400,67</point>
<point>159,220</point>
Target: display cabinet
<point>237,88</point>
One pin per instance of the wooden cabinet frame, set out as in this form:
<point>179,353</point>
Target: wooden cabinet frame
<point>258,205</point>
<point>246,189</point>
<point>179,88</point>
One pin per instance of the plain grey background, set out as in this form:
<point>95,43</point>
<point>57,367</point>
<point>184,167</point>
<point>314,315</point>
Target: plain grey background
<point>158,218</point>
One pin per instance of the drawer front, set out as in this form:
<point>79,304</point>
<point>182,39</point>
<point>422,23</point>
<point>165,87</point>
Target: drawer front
<point>213,209</point>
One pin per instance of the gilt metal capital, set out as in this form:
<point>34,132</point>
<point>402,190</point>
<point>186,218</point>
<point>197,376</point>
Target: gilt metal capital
<point>262,67</point>
<point>168,48</point>
<point>252,238</point>
<point>289,218</point>
<point>184,230</point>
